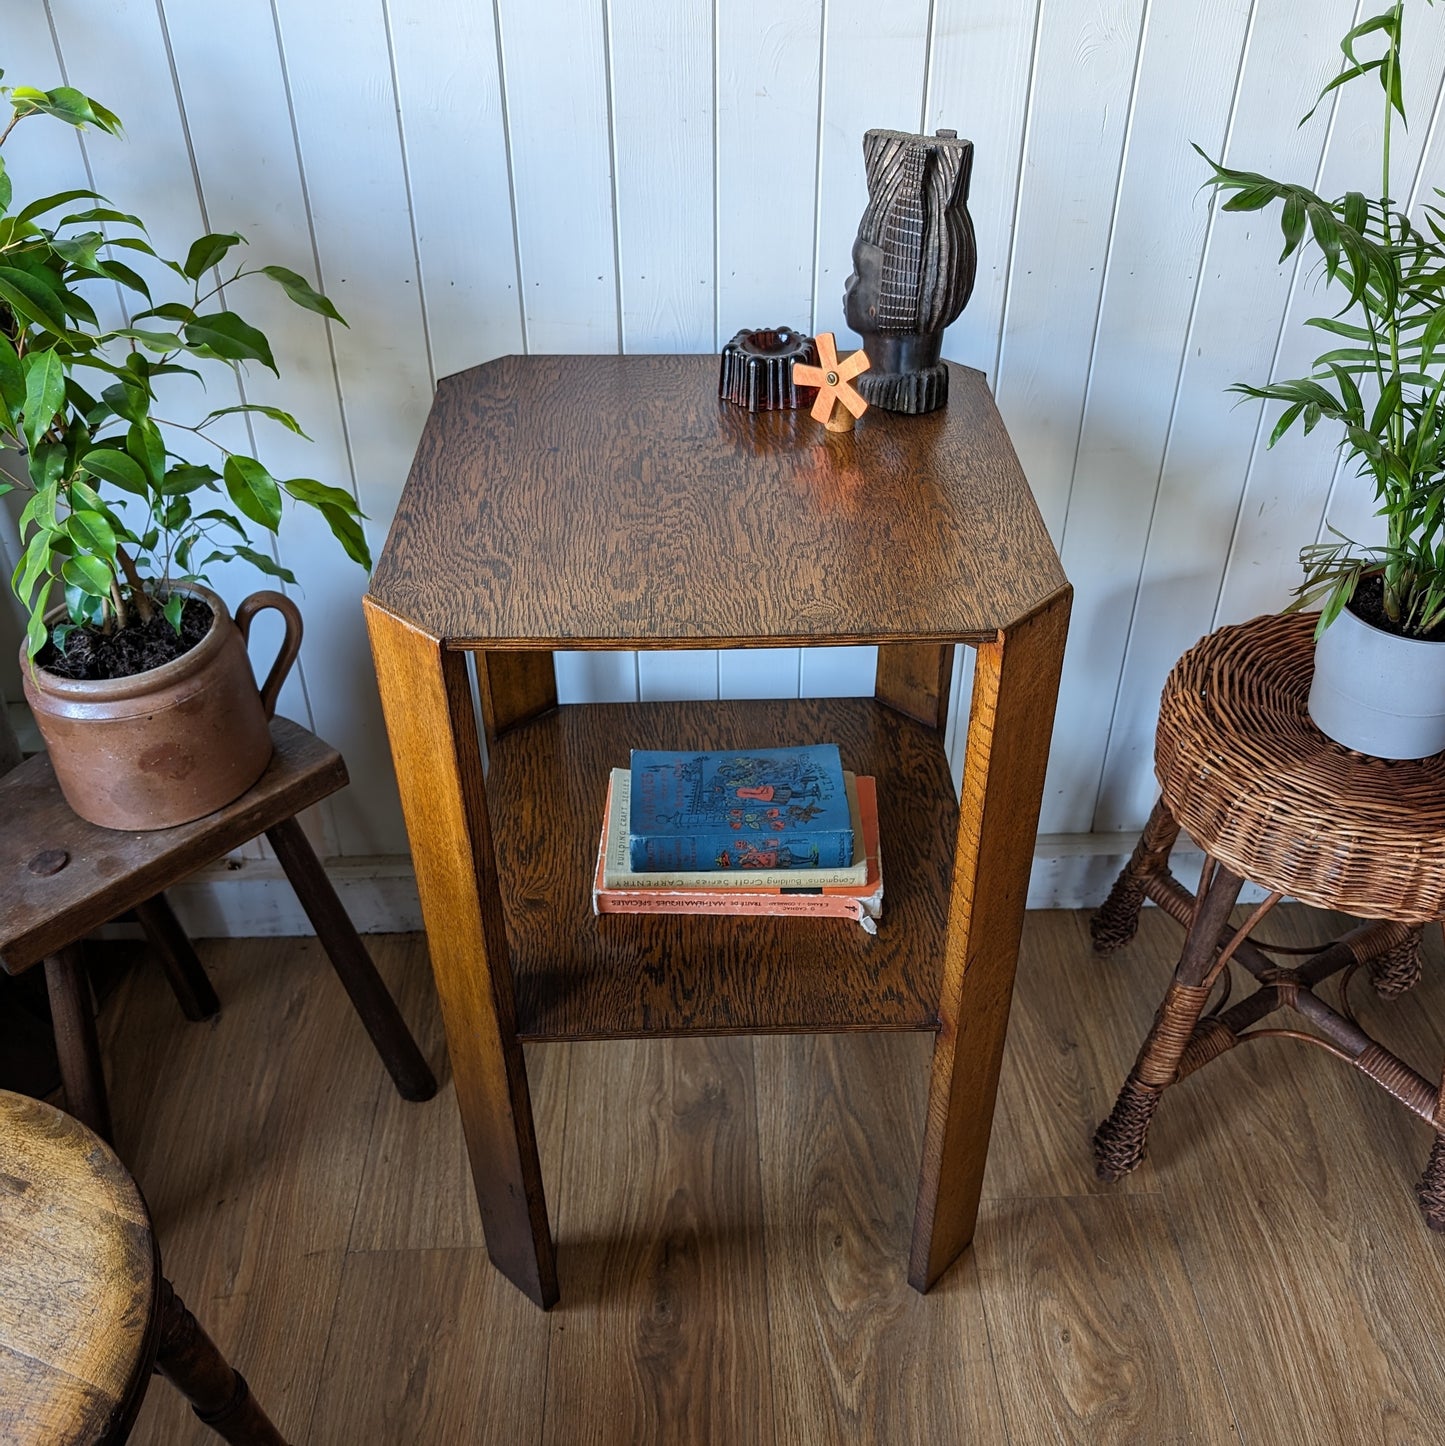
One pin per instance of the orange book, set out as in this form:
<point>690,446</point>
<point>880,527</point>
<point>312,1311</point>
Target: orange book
<point>863,902</point>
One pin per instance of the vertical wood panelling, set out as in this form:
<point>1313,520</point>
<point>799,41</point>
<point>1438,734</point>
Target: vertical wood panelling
<point>1068,186</point>
<point>1235,330</point>
<point>339,74</point>
<point>1287,485</point>
<point>662,118</point>
<point>1149,290</point>
<point>555,70</point>
<point>768,78</point>
<point>449,95</point>
<point>471,179</point>
<point>979,81</point>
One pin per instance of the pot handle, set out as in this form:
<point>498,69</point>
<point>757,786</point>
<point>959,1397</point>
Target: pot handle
<point>290,644</point>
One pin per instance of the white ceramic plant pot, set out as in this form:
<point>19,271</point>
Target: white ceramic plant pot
<point>1378,693</point>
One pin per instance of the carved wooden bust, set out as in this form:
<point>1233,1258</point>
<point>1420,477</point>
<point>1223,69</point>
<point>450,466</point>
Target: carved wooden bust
<point>913,264</point>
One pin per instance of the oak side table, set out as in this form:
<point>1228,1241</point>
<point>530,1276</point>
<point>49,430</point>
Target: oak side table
<point>615,502</point>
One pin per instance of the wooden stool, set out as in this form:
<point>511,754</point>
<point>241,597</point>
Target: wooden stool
<point>85,1314</point>
<point>1273,801</point>
<point>61,877</point>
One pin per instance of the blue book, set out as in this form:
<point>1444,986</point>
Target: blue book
<point>759,808</point>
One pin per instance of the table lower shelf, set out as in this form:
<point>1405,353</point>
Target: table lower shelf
<point>622,976</point>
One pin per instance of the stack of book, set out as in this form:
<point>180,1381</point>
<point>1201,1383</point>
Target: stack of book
<point>770,831</point>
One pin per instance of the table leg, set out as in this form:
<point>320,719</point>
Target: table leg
<point>1015,688</point>
<point>429,718</point>
<point>914,679</point>
<point>189,982</point>
<point>73,1016</point>
<point>353,964</point>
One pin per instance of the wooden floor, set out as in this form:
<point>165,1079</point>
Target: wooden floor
<point>733,1218</point>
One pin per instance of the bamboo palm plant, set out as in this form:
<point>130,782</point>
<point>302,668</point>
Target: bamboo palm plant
<point>1382,380</point>
<point>115,516</point>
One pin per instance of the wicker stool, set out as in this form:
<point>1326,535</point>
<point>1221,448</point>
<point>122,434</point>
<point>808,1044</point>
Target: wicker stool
<point>1271,800</point>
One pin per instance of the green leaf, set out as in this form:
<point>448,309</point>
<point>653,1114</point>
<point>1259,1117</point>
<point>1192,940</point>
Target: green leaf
<point>347,531</point>
<point>263,563</point>
<point>275,413</point>
<point>43,204</point>
<point>224,519</point>
<point>44,393</point>
<point>186,478</point>
<point>127,399</point>
<point>253,489</point>
<point>118,271</point>
<point>143,442</point>
<point>87,573</point>
<point>45,464</point>
<point>318,494</point>
<point>79,251</point>
<point>1292,223</point>
<point>33,300</point>
<point>302,292</point>
<point>206,251</point>
<point>156,341</point>
<point>12,378</point>
<point>91,533</point>
<point>64,103</point>
<point>225,335</point>
<point>104,214</point>
<point>173,607</point>
<point>5,188</point>
<point>37,631</point>
<point>117,469</point>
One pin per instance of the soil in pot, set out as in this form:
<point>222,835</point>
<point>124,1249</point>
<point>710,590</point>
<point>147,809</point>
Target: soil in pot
<point>90,654</point>
<point>1368,604</point>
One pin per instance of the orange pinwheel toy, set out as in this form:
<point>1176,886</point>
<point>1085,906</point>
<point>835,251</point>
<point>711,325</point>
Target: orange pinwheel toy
<point>838,404</point>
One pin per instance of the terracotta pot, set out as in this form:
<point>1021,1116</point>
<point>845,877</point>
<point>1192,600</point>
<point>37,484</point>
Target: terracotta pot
<point>172,744</point>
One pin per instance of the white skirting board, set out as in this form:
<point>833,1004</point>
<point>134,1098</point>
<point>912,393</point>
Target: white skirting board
<point>251,898</point>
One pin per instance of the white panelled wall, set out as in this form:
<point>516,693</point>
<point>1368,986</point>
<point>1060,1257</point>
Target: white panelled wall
<point>467,178</point>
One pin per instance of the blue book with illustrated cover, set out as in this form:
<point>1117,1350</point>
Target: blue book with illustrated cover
<point>756,808</point>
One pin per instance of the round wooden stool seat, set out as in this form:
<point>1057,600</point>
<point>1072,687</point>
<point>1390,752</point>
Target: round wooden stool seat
<point>85,1314</point>
<point>78,1281</point>
<point>1252,780</point>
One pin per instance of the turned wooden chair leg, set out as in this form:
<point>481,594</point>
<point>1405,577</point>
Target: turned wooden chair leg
<point>1116,920</point>
<point>394,1043</point>
<point>72,1013</point>
<point>187,1357</point>
<point>188,979</point>
<point>1119,1141</point>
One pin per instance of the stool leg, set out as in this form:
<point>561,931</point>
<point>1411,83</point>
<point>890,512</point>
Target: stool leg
<point>1117,918</point>
<point>188,979</point>
<point>1397,970</point>
<point>1119,1141</point>
<point>188,1358</point>
<point>73,1016</point>
<point>378,1011</point>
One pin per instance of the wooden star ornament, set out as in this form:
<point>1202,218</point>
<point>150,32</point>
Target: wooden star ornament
<point>838,405</point>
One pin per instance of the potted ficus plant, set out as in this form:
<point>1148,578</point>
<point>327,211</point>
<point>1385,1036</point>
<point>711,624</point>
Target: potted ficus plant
<point>1379,682</point>
<point>138,677</point>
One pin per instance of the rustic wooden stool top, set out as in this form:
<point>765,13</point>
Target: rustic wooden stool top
<point>78,1280</point>
<point>1252,780</point>
<point>85,1313</point>
<point>61,877</point>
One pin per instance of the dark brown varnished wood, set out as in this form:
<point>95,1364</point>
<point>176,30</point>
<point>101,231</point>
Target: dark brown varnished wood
<point>604,502</point>
<point>582,977</point>
<point>916,678</point>
<point>1015,687</point>
<point>188,980</point>
<point>515,688</point>
<point>107,872</point>
<point>429,717</point>
<point>616,502</point>
<point>72,1013</point>
<point>369,997</point>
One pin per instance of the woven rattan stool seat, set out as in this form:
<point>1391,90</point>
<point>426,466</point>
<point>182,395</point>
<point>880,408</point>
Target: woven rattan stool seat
<point>1259,787</point>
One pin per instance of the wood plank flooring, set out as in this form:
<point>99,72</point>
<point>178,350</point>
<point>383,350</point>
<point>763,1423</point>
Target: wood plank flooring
<point>733,1217</point>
